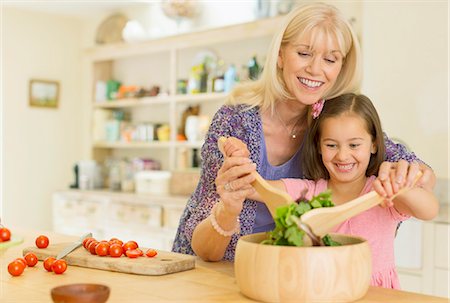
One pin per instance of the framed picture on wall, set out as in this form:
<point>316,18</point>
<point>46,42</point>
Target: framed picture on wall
<point>44,93</point>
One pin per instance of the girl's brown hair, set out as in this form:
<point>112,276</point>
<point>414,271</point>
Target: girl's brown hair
<point>360,105</point>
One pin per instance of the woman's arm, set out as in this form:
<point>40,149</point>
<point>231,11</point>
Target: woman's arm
<point>233,186</point>
<point>205,240</point>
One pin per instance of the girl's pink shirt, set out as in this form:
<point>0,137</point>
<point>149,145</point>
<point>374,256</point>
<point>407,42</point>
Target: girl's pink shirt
<point>377,225</point>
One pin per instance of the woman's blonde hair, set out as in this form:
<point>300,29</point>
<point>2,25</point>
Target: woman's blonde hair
<point>315,19</point>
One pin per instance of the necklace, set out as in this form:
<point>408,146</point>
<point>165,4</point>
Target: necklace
<point>292,132</point>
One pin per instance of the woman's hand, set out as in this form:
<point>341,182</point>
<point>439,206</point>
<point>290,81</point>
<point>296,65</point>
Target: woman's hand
<point>234,177</point>
<point>233,147</point>
<point>393,176</point>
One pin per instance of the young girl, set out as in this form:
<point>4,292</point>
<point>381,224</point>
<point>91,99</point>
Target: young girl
<point>343,151</point>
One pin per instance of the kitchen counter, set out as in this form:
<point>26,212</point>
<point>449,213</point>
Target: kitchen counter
<point>208,282</point>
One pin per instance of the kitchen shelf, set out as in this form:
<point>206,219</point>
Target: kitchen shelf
<point>155,144</point>
<point>163,62</point>
<point>166,100</point>
<point>231,33</point>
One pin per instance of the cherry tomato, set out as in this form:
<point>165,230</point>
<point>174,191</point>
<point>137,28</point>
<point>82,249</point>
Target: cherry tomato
<point>89,241</point>
<point>102,249</point>
<point>115,241</point>
<point>92,246</point>
<point>42,241</point>
<point>115,250</point>
<point>16,268</point>
<point>129,245</point>
<point>133,253</point>
<point>48,263</point>
<point>59,266</point>
<point>31,259</point>
<point>151,253</point>
<point>22,260</point>
<point>86,241</point>
<point>5,234</point>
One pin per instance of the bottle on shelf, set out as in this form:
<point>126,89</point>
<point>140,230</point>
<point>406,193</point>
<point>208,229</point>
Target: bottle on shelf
<point>218,77</point>
<point>203,78</point>
<point>230,78</point>
<point>253,68</point>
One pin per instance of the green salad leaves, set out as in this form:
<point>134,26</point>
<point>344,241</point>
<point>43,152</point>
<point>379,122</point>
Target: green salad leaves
<point>286,231</point>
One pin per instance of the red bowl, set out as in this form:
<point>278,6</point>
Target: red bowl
<point>80,293</point>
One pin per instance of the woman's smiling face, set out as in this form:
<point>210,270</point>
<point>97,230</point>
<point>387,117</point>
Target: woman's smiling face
<point>310,66</point>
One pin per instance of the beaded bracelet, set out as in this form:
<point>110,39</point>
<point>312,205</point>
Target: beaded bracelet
<point>217,227</point>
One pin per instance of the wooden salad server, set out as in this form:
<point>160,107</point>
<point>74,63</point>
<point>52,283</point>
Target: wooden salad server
<point>271,196</point>
<point>322,220</point>
<point>317,222</point>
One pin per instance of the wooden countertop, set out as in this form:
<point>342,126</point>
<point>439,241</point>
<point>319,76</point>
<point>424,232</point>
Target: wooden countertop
<point>208,282</point>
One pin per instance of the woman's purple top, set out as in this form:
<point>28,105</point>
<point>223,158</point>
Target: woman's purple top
<point>234,121</point>
<point>291,168</point>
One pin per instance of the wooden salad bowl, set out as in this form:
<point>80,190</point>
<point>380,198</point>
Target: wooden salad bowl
<point>303,274</point>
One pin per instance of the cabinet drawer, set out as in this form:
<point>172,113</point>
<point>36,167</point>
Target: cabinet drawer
<point>441,286</point>
<point>134,215</point>
<point>410,282</point>
<point>172,215</point>
<point>441,245</point>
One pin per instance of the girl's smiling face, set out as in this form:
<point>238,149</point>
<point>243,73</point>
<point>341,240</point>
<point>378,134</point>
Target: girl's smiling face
<point>346,147</point>
<point>310,66</point>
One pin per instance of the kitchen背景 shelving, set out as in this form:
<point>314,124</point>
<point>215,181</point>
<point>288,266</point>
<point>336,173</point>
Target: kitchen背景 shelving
<point>163,62</point>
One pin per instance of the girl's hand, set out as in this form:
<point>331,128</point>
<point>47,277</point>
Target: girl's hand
<point>234,177</point>
<point>394,176</point>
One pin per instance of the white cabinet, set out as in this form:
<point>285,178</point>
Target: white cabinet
<point>441,260</point>
<point>151,221</point>
<point>424,270</point>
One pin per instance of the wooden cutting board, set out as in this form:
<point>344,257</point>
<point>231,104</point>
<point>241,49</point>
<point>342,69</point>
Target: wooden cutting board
<point>163,263</point>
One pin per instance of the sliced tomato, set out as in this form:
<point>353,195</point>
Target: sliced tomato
<point>86,241</point>
<point>151,253</point>
<point>130,245</point>
<point>102,249</point>
<point>133,253</point>
<point>92,246</point>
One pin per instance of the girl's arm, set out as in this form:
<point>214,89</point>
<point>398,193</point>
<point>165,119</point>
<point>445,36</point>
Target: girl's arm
<point>419,202</point>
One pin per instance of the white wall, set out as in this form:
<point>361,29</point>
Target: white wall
<point>40,145</point>
<point>405,48</point>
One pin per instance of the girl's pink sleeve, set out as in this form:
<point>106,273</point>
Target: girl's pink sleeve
<point>297,188</point>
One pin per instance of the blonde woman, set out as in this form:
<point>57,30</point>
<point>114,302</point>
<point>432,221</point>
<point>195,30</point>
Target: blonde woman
<point>314,57</point>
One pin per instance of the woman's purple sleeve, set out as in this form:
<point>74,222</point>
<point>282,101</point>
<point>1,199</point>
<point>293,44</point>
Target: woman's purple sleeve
<point>396,152</point>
